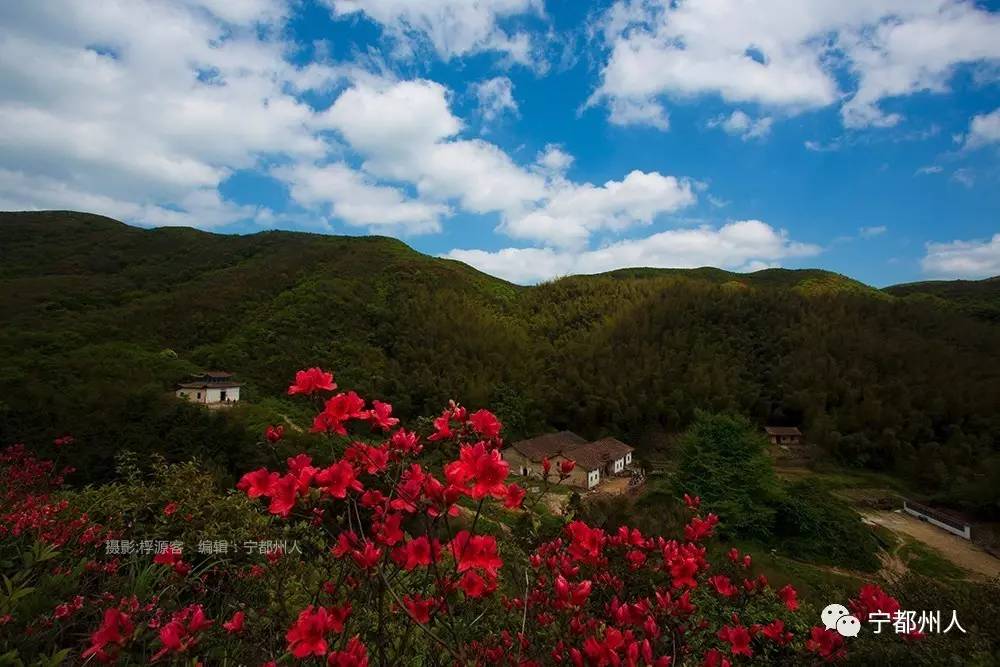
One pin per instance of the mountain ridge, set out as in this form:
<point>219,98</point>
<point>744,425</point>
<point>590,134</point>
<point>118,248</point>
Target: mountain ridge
<point>761,276</point>
<point>101,319</point>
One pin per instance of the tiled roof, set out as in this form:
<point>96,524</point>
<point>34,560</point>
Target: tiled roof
<point>547,445</point>
<point>594,455</point>
<point>782,430</point>
<point>588,455</point>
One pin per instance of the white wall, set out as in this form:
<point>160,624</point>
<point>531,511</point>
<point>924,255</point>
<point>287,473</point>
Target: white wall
<point>214,394</point>
<point>593,478</point>
<point>210,395</point>
<point>965,533</point>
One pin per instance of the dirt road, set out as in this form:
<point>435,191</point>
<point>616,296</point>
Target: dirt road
<point>962,553</point>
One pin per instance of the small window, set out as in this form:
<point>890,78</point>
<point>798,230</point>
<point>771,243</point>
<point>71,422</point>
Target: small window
<point>199,394</point>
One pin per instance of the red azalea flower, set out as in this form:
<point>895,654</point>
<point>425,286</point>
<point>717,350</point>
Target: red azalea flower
<point>515,496</point>
<point>604,651</point>
<point>587,544</point>
<point>405,442</point>
<point>420,551</point>
<point>872,598</point>
<point>635,558</point>
<point>283,495</point>
<point>738,638</point>
<point>338,478</point>
<point>566,467</point>
<point>682,570</point>
<point>258,483</point>
<point>116,629</point>
<point>354,655</point>
<point>714,658</point>
<point>381,416</point>
<point>476,552</point>
<point>312,380</point>
<point>64,440</point>
<point>790,597</point>
<point>483,468</point>
<point>337,411</point>
<point>235,624</point>
<point>723,586</point>
<point>169,508</point>
<point>419,608</point>
<point>368,557</point>
<point>546,466</point>
<point>775,631</point>
<point>372,460</point>
<point>442,427</point>
<point>828,644</point>
<point>698,529</point>
<point>474,586</point>
<point>388,530</point>
<point>173,559</point>
<point>485,423</point>
<point>692,503</point>
<point>307,636</point>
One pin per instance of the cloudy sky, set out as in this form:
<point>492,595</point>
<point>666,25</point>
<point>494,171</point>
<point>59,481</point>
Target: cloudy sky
<point>529,138</point>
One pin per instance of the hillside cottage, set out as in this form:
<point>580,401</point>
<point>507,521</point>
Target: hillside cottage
<point>594,460</point>
<point>784,435</point>
<point>214,388</point>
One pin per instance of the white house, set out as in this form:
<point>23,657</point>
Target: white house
<point>594,460</point>
<point>216,388</point>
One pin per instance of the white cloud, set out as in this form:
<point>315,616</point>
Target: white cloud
<point>642,111</point>
<point>143,107</point>
<point>202,207</point>
<point>354,198</point>
<point>452,28</point>
<point>739,124</point>
<point>983,130</point>
<point>573,212</point>
<point>872,232</point>
<point>495,97</point>
<point>929,169</point>
<point>741,245</point>
<point>964,176</point>
<point>963,259</point>
<point>787,54</point>
<point>553,160</point>
<point>406,132</point>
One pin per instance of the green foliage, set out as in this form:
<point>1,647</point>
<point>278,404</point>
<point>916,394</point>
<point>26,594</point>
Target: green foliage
<point>100,317</point>
<point>813,525</point>
<point>928,562</point>
<point>724,460</point>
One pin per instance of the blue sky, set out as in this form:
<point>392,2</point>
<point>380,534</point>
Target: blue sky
<point>529,138</point>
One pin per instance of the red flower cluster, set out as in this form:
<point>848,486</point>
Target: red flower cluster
<point>181,633</point>
<point>308,636</point>
<point>312,380</point>
<point>115,631</point>
<point>398,541</point>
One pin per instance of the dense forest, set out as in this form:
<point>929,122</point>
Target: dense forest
<point>100,320</point>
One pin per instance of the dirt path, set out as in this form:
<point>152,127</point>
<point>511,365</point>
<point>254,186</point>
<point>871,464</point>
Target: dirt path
<point>962,553</point>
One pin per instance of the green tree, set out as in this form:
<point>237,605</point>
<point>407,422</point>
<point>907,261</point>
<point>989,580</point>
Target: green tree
<point>724,460</point>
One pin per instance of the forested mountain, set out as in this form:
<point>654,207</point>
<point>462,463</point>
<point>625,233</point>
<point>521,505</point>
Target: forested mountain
<point>101,319</point>
<point>975,297</point>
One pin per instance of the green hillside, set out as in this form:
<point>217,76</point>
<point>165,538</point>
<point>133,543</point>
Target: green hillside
<point>101,319</point>
<point>980,298</point>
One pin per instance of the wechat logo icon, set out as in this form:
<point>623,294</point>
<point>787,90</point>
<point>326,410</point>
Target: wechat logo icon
<point>836,617</point>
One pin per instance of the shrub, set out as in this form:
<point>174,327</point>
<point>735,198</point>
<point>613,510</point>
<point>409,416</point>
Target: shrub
<point>385,562</point>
